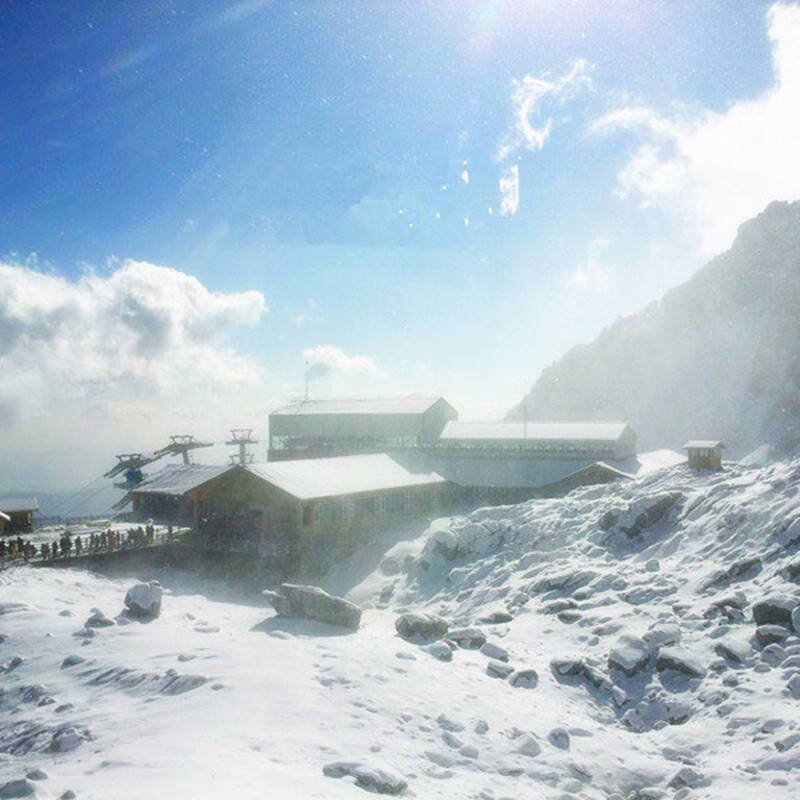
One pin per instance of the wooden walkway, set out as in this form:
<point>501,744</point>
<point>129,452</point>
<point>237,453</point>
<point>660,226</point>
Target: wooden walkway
<point>195,545</point>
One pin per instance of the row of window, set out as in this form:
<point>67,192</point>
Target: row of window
<point>334,513</point>
<point>540,448</point>
<point>365,443</point>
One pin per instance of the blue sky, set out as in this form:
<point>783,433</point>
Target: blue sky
<point>428,196</point>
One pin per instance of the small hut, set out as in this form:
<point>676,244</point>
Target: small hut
<point>4,520</point>
<point>704,454</point>
<point>20,511</point>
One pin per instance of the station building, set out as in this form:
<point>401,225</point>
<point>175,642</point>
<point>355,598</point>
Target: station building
<point>339,427</point>
<point>340,467</point>
<point>537,440</point>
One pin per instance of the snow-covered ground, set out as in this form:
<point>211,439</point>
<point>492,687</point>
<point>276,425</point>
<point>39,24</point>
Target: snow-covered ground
<point>217,697</point>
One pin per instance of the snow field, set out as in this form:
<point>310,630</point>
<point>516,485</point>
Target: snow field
<point>661,574</point>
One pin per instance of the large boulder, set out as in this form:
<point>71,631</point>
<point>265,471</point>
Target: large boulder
<point>421,626</point>
<point>294,600</point>
<point>498,669</point>
<point>66,739</point>
<point>629,655</point>
<point>769,634</point>
<point>468,638</point>
<point>680,661</point>
<point>775,609</point>
<point>524,678</point>
<point>144,600</point>
<point>19,788</point>
<point>733,649</point>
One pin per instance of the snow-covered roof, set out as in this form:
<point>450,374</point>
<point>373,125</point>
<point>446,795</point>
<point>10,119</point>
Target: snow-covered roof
<point>534,431</point>
<point>180,478</point>
<point>12,505</point>
<point>5,517</point>
<point>412,404</point>
<point>706,444</point>
<point>308,479</point>
<point>532,472</point>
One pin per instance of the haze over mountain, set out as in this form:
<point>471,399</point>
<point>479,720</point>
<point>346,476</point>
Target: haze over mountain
<point>717,357</point>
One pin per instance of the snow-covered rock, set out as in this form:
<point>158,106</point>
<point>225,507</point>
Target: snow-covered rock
<point>378,779</point>
<point>22,787</point>
<point>98,620</point>
<point>494,651</point>
<point>528,745</point>
<point>680,661</point>
<point>559,737</point>
<point>144,600</point>
<point>629,655</point>
<point>733,649</point>
<point>795,619</point>
<point>66,739</point>
<point>439,650</point>
<point>469,638</point>
<point>498,669</point>
<point>767,634</point>
<point>775,609</point>
<point>524,678</point>
<point>294,600</point>
<point>421,625</point>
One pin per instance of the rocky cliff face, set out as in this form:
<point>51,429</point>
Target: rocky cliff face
<point>717,357</point>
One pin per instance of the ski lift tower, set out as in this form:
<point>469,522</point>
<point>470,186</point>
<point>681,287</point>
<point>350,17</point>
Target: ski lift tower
<point>242,438</point>
<point>181,445</point>
<point>129,464</point>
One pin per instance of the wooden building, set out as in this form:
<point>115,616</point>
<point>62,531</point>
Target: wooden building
<point>166,495</point>
<point>704,454</point>
<point>20,511</point>
<point>4,520</point>
<point>337,427</point>
<point>305,506</point>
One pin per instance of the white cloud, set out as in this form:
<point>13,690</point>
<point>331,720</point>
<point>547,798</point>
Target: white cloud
<point>530,96</point>
<point>509,189</point>
<point>532,99</point>
<point>143,336</point>
<point>325,360</point>
<point>592,276</point>
<point>716,169</point>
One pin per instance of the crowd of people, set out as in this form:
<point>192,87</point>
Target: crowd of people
<point>67,545</point>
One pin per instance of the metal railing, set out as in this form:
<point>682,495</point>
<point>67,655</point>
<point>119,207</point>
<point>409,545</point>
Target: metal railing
<point>245,547</point>
<point>33,553</point>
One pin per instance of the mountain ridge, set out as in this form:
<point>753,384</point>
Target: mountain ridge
<point>717,357</point>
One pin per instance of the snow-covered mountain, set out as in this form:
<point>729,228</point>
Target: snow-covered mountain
<point>717,357</point>
<point>637,640</point>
